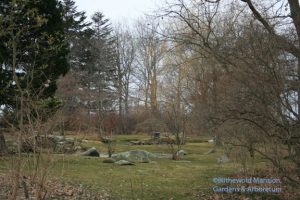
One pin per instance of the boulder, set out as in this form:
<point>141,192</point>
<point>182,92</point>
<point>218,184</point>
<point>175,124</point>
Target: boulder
<point>136,142</point>
<point>211,141</point>
<point>91,152</point>
<point>60,144</point>
<point>106,140</point>
<point>64,147</point>
<point>223,159</point>
<point>78,148</point>
<point>123,162</point>
<point>161,155</point>
<point>181,153</point>
<point>134,156</point>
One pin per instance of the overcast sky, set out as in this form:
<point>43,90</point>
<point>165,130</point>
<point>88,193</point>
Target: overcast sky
<point>118,10</point>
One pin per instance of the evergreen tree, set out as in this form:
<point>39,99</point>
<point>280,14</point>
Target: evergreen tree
<point>79,34</point>
<point>33,46</point>
<point>103,67</point>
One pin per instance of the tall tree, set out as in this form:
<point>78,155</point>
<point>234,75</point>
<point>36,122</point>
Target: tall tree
<point>126,50</point>
<point>151,50</point>
<point>256,48</point>
<point>33,47</point>
<point>78,34</point>
<point>33,54</point>
<point>101,71</point>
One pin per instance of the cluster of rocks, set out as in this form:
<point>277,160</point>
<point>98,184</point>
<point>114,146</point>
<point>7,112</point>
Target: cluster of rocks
<point>130,157</point>
<point>138,156</point>
<point>64,144</point>
<point>58,144</point>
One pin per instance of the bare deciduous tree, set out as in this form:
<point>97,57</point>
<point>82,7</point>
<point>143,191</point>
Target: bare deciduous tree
<point>150,54</point>
<point>260,57</point>
<point>126,51</point>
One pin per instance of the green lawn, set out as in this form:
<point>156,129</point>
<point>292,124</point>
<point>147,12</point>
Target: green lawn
<point>159,179</point>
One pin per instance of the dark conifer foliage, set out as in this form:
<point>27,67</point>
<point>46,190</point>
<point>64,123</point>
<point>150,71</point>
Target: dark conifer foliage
<point>79,34</point>
<point>33,31</point>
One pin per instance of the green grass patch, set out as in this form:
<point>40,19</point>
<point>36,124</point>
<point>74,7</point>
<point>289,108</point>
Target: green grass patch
<point>159,179</point>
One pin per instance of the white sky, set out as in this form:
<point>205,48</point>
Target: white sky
<point>118,10</point>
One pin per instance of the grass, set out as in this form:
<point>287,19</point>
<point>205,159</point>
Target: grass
<point>159,179</point>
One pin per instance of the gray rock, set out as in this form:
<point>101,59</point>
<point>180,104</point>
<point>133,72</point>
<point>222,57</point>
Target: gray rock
<point>161,155</point>
<point>134,156</point>
<point>181,153</point>
<point>136,142</point>
<point>56,143</point>
<point>123,162</point>
<point>223,159</point>
<point>211,141</point>
<point>78,148</point>
<point>91,152</point>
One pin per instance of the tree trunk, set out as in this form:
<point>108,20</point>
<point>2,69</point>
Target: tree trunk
<point>147,92</point>
<point>126,106</point>
<point>120,93</point>
<point>3,148</point>
<point>217,136</point>
<point>153,91</point>
<point>297,148</point>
